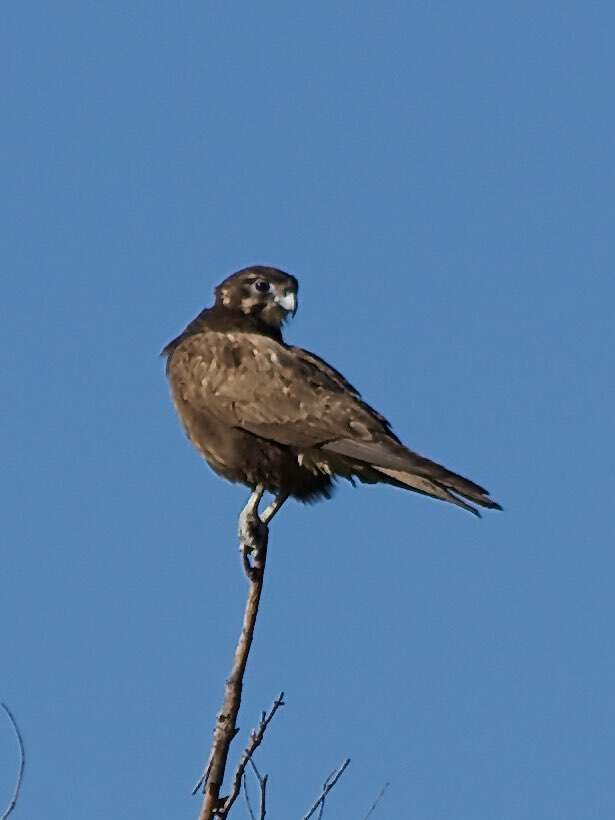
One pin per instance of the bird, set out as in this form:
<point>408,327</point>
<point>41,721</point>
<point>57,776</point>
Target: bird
<point>280,419</point>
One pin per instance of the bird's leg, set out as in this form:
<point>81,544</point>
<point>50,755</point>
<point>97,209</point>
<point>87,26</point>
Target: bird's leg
<point>273,508</point>
<point>252,531</point>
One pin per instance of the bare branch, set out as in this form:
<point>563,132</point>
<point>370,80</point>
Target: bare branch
<point>263,785</point>
<point>247,796</point>
<point>204,776</point>
<point>327,786</point>
<point>262,782</point>
<point>324,785</point>
<point>22,762</point>
<point>376,801</point>
<point>225,729</point>
<point>256,738</point>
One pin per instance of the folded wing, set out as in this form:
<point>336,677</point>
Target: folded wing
<point>293,397</point>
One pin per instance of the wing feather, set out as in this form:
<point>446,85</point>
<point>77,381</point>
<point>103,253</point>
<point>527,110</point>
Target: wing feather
<point>293,397</point>
<point>253,382</point>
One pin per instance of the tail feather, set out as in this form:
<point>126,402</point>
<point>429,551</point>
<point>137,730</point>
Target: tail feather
<point>414,471</point>
<point>426,487</point>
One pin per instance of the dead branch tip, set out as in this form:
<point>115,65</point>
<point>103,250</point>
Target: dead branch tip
<point>22,763</point>
<point>326,788</point>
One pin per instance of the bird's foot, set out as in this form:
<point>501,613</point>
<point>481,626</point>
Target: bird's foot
<point>253,533</point>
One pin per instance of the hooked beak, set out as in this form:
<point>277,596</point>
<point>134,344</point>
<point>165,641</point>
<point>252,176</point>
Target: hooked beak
<point>287,302</point>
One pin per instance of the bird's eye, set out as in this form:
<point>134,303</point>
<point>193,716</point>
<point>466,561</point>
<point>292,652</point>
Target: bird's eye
<point>261,285</point>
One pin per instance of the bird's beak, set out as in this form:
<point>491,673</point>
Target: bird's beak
<point>287,302</point>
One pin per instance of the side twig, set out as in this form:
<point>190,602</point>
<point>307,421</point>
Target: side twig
<point>327,786</point>
<point>22,762</point>
<point>376,801</point>
<point>247,797</point>
<point>256,738</point>
<point>225,729</point>
<point>262,782</point>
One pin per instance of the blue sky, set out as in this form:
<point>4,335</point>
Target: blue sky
<point>440,179</point>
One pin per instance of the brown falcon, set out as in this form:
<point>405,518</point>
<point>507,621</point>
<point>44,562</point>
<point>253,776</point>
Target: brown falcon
<point>280,419</point>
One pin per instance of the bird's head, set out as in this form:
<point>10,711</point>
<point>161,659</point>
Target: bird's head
<point>265,293</point>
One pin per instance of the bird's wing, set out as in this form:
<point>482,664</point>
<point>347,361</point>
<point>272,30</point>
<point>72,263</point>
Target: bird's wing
<point>378,446</point>
<point>336,377</point>
<point>293,397</point>
<point>277,392</point>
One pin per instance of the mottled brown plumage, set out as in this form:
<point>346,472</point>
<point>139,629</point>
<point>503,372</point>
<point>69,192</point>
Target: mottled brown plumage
<point>266,413</point>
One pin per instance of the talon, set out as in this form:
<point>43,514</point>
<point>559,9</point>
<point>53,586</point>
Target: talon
<point>252,531</point>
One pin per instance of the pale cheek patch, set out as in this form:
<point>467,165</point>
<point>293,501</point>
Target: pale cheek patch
<point>247,305</point>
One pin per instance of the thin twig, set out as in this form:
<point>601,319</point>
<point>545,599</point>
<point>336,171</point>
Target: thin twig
<point>262,782</point>
<point>256,738</point>
<point>22,762</point>
<point>247,796</point>
<point>376,801</point>
<point>225,729</point>
<point>205,775</point>
<point>328,785</point>
<point>324,786</point>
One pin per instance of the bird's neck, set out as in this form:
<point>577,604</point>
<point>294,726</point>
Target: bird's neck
<point>229,319</point>
<point>225,320</point>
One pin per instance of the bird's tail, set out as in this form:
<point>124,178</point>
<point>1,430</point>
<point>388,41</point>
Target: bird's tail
<point>407,469</point>
<point>437,489</point>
